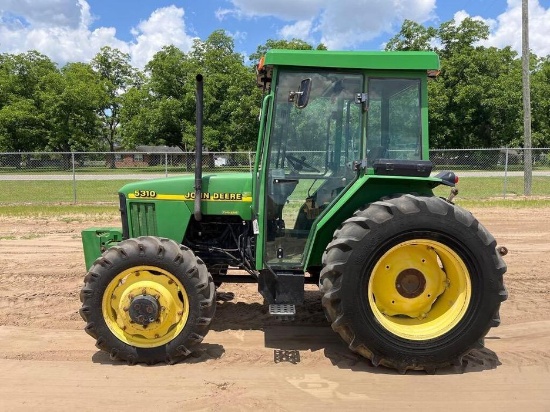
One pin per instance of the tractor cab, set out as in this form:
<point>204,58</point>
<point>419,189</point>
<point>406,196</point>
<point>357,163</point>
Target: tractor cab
<point>325,124</point>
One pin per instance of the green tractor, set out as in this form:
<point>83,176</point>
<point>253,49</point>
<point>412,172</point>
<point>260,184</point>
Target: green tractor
<point>341,195</point>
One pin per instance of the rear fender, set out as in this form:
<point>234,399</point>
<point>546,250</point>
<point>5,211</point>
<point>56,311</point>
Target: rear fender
<point>366,189</point>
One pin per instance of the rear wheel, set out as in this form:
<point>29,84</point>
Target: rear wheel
<point>412,282</point>
<point>148,300</point>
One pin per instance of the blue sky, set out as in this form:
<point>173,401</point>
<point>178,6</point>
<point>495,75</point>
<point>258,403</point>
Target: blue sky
<point>75,30</point>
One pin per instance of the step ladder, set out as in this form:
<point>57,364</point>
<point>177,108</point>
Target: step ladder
<point>282,311</point>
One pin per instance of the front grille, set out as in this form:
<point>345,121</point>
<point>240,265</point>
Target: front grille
<point>124,216</point>
<point>143,218</point>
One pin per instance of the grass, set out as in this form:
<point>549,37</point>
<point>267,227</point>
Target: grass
<point>489,192</point>
<point>57,191</point>
<point>24,198</point>
<point>65,213</point>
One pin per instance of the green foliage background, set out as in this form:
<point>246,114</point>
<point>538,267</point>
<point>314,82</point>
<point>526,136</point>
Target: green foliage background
<point>108,104</point>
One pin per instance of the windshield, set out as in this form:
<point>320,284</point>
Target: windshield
<point>321,137</point>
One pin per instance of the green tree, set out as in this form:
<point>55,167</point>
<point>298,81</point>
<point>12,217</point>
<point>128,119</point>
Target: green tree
<point>72,98</point>
<point>540,102</point>
<point>461,37</point>
<point>23,125</point>
<point>163,110</point>
<point>477,101</point>
<point>294,44</point>
<point>22,128</point>
<point>118,76</point>
<point>156,112</point>
<point>413,36</point>
<point>232,99</point>
<point>479,104</point>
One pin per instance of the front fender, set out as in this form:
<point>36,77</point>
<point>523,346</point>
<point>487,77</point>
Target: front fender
<point>97,240</point>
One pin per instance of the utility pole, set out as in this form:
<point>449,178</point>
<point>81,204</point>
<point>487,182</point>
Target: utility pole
<point>525,57</point>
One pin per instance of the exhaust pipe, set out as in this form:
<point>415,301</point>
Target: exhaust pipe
<point>198,150</point>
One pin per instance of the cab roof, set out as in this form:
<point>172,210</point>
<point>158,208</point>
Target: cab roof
<point>374,60</point>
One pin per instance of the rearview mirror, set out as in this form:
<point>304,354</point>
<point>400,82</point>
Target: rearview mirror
<point>301,97</point>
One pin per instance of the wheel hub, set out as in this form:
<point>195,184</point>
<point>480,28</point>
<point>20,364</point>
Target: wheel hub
<point>419,289</point>
<point>408,280</point>
<point>410,283</point>
<point>144,309</point>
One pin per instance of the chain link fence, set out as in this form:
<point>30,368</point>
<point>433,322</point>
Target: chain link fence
<point>495,173</point>
<point>163,163</point>
<point>95,177</point>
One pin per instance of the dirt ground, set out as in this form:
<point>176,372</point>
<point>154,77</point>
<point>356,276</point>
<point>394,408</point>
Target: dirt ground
<point>47,361</point>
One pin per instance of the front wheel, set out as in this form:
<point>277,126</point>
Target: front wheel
<point>412,282</point>
<point>148,300</point>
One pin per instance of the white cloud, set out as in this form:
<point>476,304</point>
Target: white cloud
<point>506,28</point>
<point>61,30</point>
<point>238,36</point>
<point>283,9</point>
<point>299,30</point>
<point>165,26</point>
<point>44,13</point>
<point>338,24</point>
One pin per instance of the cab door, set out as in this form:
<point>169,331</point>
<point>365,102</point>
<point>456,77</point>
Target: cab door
<point>315,135</point>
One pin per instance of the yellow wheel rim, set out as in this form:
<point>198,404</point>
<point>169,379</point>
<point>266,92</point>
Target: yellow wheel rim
<point>419,289</point>
<point>159,292</point>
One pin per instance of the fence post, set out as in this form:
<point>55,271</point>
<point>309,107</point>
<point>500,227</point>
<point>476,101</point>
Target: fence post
<point>250,160</point>
<point>505,174</point>
<point>74,178</point>
<point>166,164</point>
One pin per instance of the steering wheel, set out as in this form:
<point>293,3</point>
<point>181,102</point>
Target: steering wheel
<point>301,164</point>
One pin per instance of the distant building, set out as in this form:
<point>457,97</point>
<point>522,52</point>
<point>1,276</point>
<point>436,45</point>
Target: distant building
<point>143,156</point>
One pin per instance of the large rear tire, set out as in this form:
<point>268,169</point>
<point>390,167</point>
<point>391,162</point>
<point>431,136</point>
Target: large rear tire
<point>148,300</point>
<point>412,282</point>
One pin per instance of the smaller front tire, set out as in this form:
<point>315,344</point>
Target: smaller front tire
<point>148,300</point>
